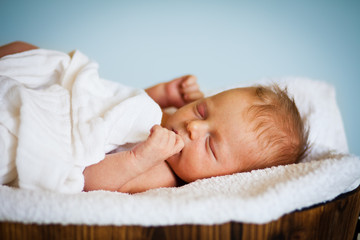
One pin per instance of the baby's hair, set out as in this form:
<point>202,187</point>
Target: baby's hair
<point>279,129</point>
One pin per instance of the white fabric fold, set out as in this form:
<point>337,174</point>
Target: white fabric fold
<point>58,116</point>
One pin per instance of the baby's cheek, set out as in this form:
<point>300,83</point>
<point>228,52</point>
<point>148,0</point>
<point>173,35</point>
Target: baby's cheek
<point>173,161</point>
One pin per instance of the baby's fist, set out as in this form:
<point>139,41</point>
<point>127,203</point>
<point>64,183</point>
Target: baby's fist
<point>190,89</point>
<point>183,90</point>
<point>159,146</point>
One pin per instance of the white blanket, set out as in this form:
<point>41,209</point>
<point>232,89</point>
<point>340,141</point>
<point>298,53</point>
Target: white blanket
<point>254,197</point>
<point>58,116</point>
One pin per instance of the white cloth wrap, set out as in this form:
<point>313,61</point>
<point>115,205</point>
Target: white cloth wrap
<point>58,116</point>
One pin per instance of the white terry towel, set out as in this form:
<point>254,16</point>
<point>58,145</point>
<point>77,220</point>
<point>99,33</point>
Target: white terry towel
<point>58,116</point>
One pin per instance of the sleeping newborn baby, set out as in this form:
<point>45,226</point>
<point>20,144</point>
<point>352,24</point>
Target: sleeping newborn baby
<point>234,131</point>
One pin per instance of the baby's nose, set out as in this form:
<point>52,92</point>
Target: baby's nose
<point>196,129</point>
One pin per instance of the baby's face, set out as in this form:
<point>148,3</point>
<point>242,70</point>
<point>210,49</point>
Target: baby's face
<point>216,134</point>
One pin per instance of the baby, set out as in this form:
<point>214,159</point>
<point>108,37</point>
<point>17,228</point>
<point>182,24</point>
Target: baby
<point>234,131</point>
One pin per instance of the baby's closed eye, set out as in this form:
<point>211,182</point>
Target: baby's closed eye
<point>210,146</point>
<point>202,110</point>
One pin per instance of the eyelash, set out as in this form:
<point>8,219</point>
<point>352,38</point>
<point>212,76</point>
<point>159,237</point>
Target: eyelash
<point>202,114</point>
<point>209,145</point>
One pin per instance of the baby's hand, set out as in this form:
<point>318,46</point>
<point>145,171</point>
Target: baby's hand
<point>183,90</point>
<point>159,146</point>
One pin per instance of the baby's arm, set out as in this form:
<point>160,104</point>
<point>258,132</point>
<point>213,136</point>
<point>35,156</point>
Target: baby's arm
<point>119,168</point>
<point>176,93</point>
<point>15,47</point>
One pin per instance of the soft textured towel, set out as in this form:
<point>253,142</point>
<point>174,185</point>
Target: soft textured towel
<point>58,116</point>
<point>253,197</point>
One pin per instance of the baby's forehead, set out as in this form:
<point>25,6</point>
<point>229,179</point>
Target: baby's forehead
<point>235,101</point>
<point>236,95</point>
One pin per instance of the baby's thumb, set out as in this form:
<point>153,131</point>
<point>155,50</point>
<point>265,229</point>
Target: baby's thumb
<point>179,144</point>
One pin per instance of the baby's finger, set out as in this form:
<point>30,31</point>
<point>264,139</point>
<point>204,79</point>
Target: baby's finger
<point>154,128</point>
<point>188,80</point>
<point>190,88</point>
<point>170,138</point>
<point>158,136</point>
<point>191,96</point>
<point>179,144</point>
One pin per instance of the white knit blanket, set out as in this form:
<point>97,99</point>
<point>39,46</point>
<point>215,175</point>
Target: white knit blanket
<point>254,197</point>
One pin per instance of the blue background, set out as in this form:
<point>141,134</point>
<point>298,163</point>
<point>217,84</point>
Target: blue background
<point>222,42</point>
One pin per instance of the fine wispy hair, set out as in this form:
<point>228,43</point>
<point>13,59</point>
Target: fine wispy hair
<point>280,131</point>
